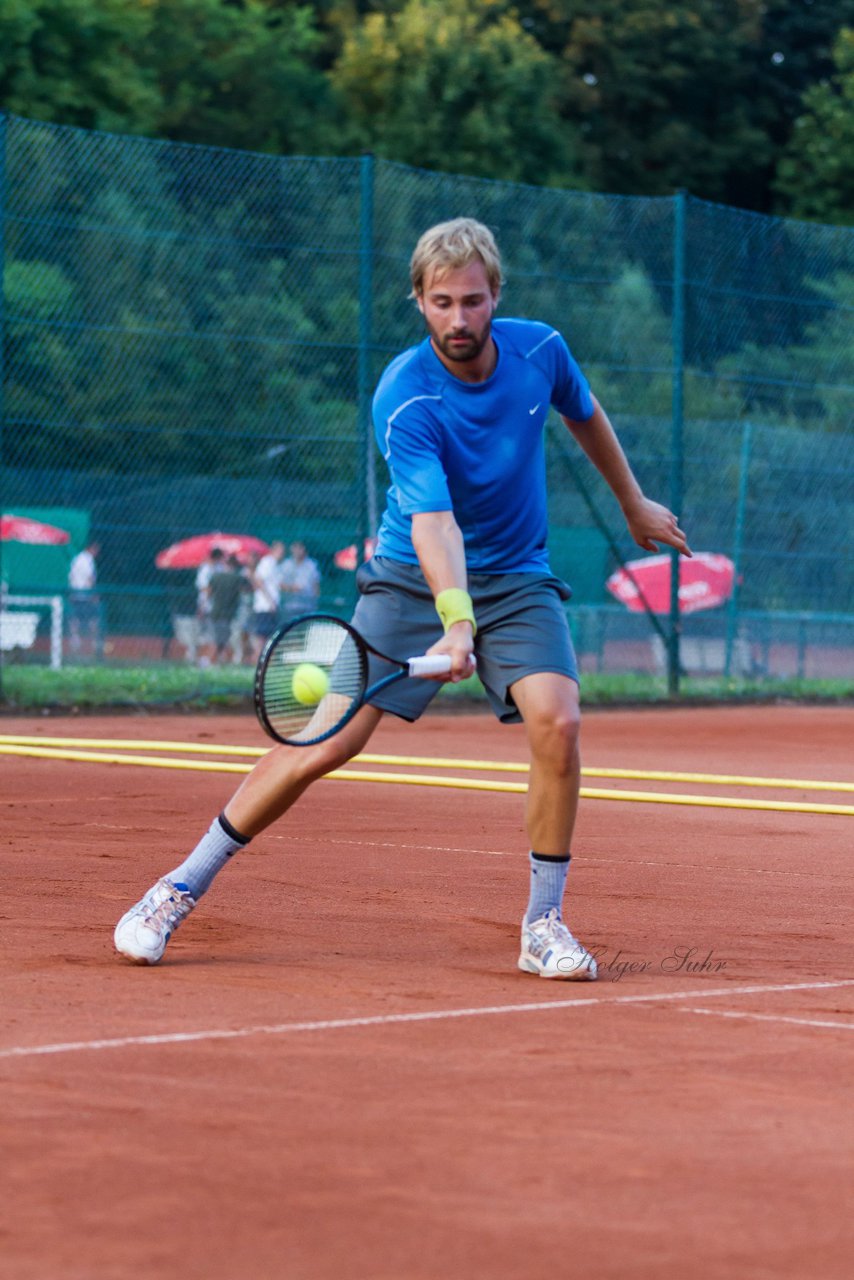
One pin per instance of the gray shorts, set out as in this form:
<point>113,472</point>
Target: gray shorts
<point>521,630</point>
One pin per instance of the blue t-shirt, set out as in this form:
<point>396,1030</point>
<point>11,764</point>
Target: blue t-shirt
<point>476,448</point>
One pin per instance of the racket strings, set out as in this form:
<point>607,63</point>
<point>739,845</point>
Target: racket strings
<point>313,678</point>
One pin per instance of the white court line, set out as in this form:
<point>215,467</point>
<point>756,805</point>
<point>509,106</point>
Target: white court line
<point>291,837</point>
<point>771,1017</point>
<point>389,1019</point>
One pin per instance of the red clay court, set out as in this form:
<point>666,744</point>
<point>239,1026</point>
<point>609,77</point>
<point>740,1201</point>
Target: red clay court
<point>337,1073</point>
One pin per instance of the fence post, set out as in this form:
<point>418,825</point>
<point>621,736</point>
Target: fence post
<point>366,303</point>
<point>3,119</point>
<point>3,122</point>
<point>738,542</point>
<point>676,437</point>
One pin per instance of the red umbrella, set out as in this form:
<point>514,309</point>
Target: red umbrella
<point>705,581</point>
<point>190,553</point>
<point>347,557</point>
<point>23,529</point>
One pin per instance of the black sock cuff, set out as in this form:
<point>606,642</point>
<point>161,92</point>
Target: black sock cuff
<point>231,831</point>
<point>551,857</point>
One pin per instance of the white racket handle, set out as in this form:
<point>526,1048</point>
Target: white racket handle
<point>430,664</point>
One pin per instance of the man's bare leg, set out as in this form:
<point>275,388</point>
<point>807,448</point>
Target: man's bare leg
<point>280,777</point>
<point>550,709</point>
<point>277,781</point>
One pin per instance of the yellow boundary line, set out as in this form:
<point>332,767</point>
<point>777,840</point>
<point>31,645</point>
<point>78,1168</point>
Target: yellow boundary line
<point>131,744</point>
<point>425,780</point>
<point>435,762</point>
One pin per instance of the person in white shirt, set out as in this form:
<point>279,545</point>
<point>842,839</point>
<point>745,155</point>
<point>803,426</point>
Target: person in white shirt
<point>300,582</point>
<point>215,563</point>
<point>84,607</point>
<point>266,581</point>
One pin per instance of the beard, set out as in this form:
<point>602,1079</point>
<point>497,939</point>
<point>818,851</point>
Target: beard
<point>462,346</point>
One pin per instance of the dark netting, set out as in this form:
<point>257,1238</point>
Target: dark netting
<point>190,338</point>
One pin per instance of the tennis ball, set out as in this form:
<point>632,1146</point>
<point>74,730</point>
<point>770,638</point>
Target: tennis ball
<point>309,683</point>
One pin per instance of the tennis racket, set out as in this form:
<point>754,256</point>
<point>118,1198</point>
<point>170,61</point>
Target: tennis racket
<point>312,678</point>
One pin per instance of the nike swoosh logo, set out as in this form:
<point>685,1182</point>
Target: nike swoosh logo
<point>535,408</point>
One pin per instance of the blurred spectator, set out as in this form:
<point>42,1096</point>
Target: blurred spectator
<point>84,605</point>
<point>265,602</point>
<point>300,581</point>
<point>241,646</point>
<point>181,598</point>
<point>215,563</point>
<point>224,591</point>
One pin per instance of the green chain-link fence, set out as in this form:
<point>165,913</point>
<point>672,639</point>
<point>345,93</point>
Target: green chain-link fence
<point>189,340</point>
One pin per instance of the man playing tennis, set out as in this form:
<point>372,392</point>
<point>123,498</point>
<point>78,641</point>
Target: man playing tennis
<point>460,566</point>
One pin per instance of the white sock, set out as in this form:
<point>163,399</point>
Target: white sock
<point>548,881</point>
<point>219,843</point>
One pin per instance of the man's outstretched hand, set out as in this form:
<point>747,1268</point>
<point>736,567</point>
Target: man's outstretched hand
<point>651,523</point>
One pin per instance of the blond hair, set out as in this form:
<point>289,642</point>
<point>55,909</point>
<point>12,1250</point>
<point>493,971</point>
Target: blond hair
<point>451,245</point>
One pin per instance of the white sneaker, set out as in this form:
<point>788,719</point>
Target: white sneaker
<point>142,933</point>
<point>549,949</point>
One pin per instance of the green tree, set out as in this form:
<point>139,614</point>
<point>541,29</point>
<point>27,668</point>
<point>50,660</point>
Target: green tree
<point>240,75</point>
<point>699,94</point>
<point>244,74</point>
<point>75,62</point>
<point>794,51</point>
<point>809,383</point>
<point>39,357</point>
<point>625,326</point>
<point>815,178</point>
<point>663,93</point>
<point>456,85</point>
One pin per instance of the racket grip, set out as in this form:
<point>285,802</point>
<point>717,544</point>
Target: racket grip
<point>430,664</point>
